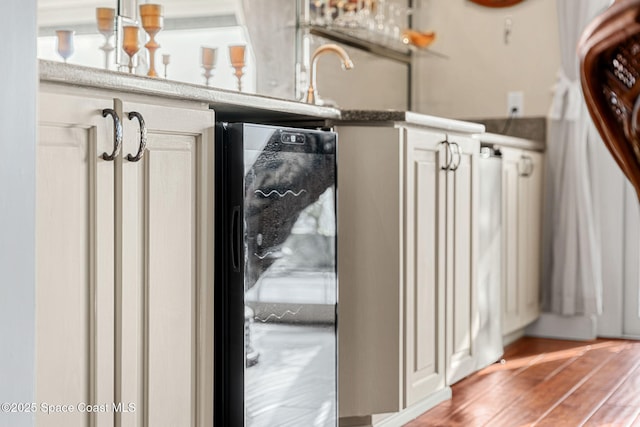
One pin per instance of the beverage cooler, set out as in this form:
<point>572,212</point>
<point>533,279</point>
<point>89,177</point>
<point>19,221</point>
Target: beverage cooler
<point>276,280</point>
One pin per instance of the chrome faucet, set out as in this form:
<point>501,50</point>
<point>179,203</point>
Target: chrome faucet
<point>312,92</point>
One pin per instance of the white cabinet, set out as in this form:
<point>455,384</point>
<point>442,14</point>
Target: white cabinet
<point>425,264</point>
<point>74,258</point>
<point>522,191</point>
<point>441,205</point>
<point>461,255</point>
<point>124,262</point>
<point>406,265</point>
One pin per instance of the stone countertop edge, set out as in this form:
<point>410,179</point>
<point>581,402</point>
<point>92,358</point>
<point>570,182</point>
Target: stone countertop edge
<point>76,75</point>
<point>232,101</point>
<point>410,117</point>
<point>498,140</point>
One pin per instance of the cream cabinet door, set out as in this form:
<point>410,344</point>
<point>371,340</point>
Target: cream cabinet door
<point>511,169</point>
<point>462,239</point>
<point>164,283</point>
<point>530,193</point>
<point>74,260</point>
<point>522,189</point>
<point>424,286</point>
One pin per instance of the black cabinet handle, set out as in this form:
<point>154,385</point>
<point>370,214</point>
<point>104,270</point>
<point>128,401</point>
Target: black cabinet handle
<point>117,134</point>
<point>143,137</point>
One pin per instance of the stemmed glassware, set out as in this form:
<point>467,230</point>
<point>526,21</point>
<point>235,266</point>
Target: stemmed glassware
<point>350,18</point>
<point>316,12</point>
<point>208,61</point>
<point>130,43</point>
<point>237,57</point>
<point>340,19</point>
<point>364,14</point>
<point>65,43</point>
<point>382,21</point>
<point>392,29</point>
<point>166,59</point>
<point>152,22</point>
<point>380,18</point>
<point>105,16</point>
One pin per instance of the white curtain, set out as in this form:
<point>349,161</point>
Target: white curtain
<point>572,269</point>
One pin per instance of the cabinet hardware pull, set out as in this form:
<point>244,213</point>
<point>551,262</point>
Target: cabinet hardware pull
<point>143,136</point>
<point>117,134</point>
<point>528,166</point>
<point>448,155</point>
<point>519,165</point>
<point>531,165</point>
<point>457,151</point>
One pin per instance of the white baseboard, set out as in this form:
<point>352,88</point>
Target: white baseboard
<point>399,419</point>
<point>551,325</point>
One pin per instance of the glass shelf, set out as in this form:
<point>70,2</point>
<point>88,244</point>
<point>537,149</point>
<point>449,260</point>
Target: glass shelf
<point>355,38</point>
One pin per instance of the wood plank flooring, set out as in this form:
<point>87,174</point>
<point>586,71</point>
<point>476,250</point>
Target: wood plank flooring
<point>544,382</point>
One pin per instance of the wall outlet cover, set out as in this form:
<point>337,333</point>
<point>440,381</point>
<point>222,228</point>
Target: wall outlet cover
<point>515,104</point>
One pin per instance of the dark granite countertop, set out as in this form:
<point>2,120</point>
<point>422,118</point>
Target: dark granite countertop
<point>382,117</point>
<point>531,128</point>
<point>372,115</point>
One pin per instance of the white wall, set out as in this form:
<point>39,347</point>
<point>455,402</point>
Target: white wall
<point>17,210</point>
<point>481,69</point>
<point>373,84</point>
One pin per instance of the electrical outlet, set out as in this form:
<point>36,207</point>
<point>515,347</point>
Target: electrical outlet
<point>515,104</point>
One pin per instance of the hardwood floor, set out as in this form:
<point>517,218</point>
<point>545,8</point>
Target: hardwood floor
<point>544,382</point>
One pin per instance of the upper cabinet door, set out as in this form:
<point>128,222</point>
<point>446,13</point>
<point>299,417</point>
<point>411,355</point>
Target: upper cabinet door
<point>425,182</point>
<point>165,282</point>
<point>74,258</point>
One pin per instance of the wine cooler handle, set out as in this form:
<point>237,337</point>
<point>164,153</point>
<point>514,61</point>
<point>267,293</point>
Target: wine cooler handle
<point>236,238</point>
<point>117,134</point>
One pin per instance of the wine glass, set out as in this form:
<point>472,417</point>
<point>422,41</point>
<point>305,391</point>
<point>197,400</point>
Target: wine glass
<point>166,59</point>
<point>152,22</point>
<point>130,43</point>
<point>340,19</point>
<point>317,17</point>
<point>208,61</point>
<point>380,17</point>
<point>237,57</point>
<point>105,17</point>
<point>65,43</point>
